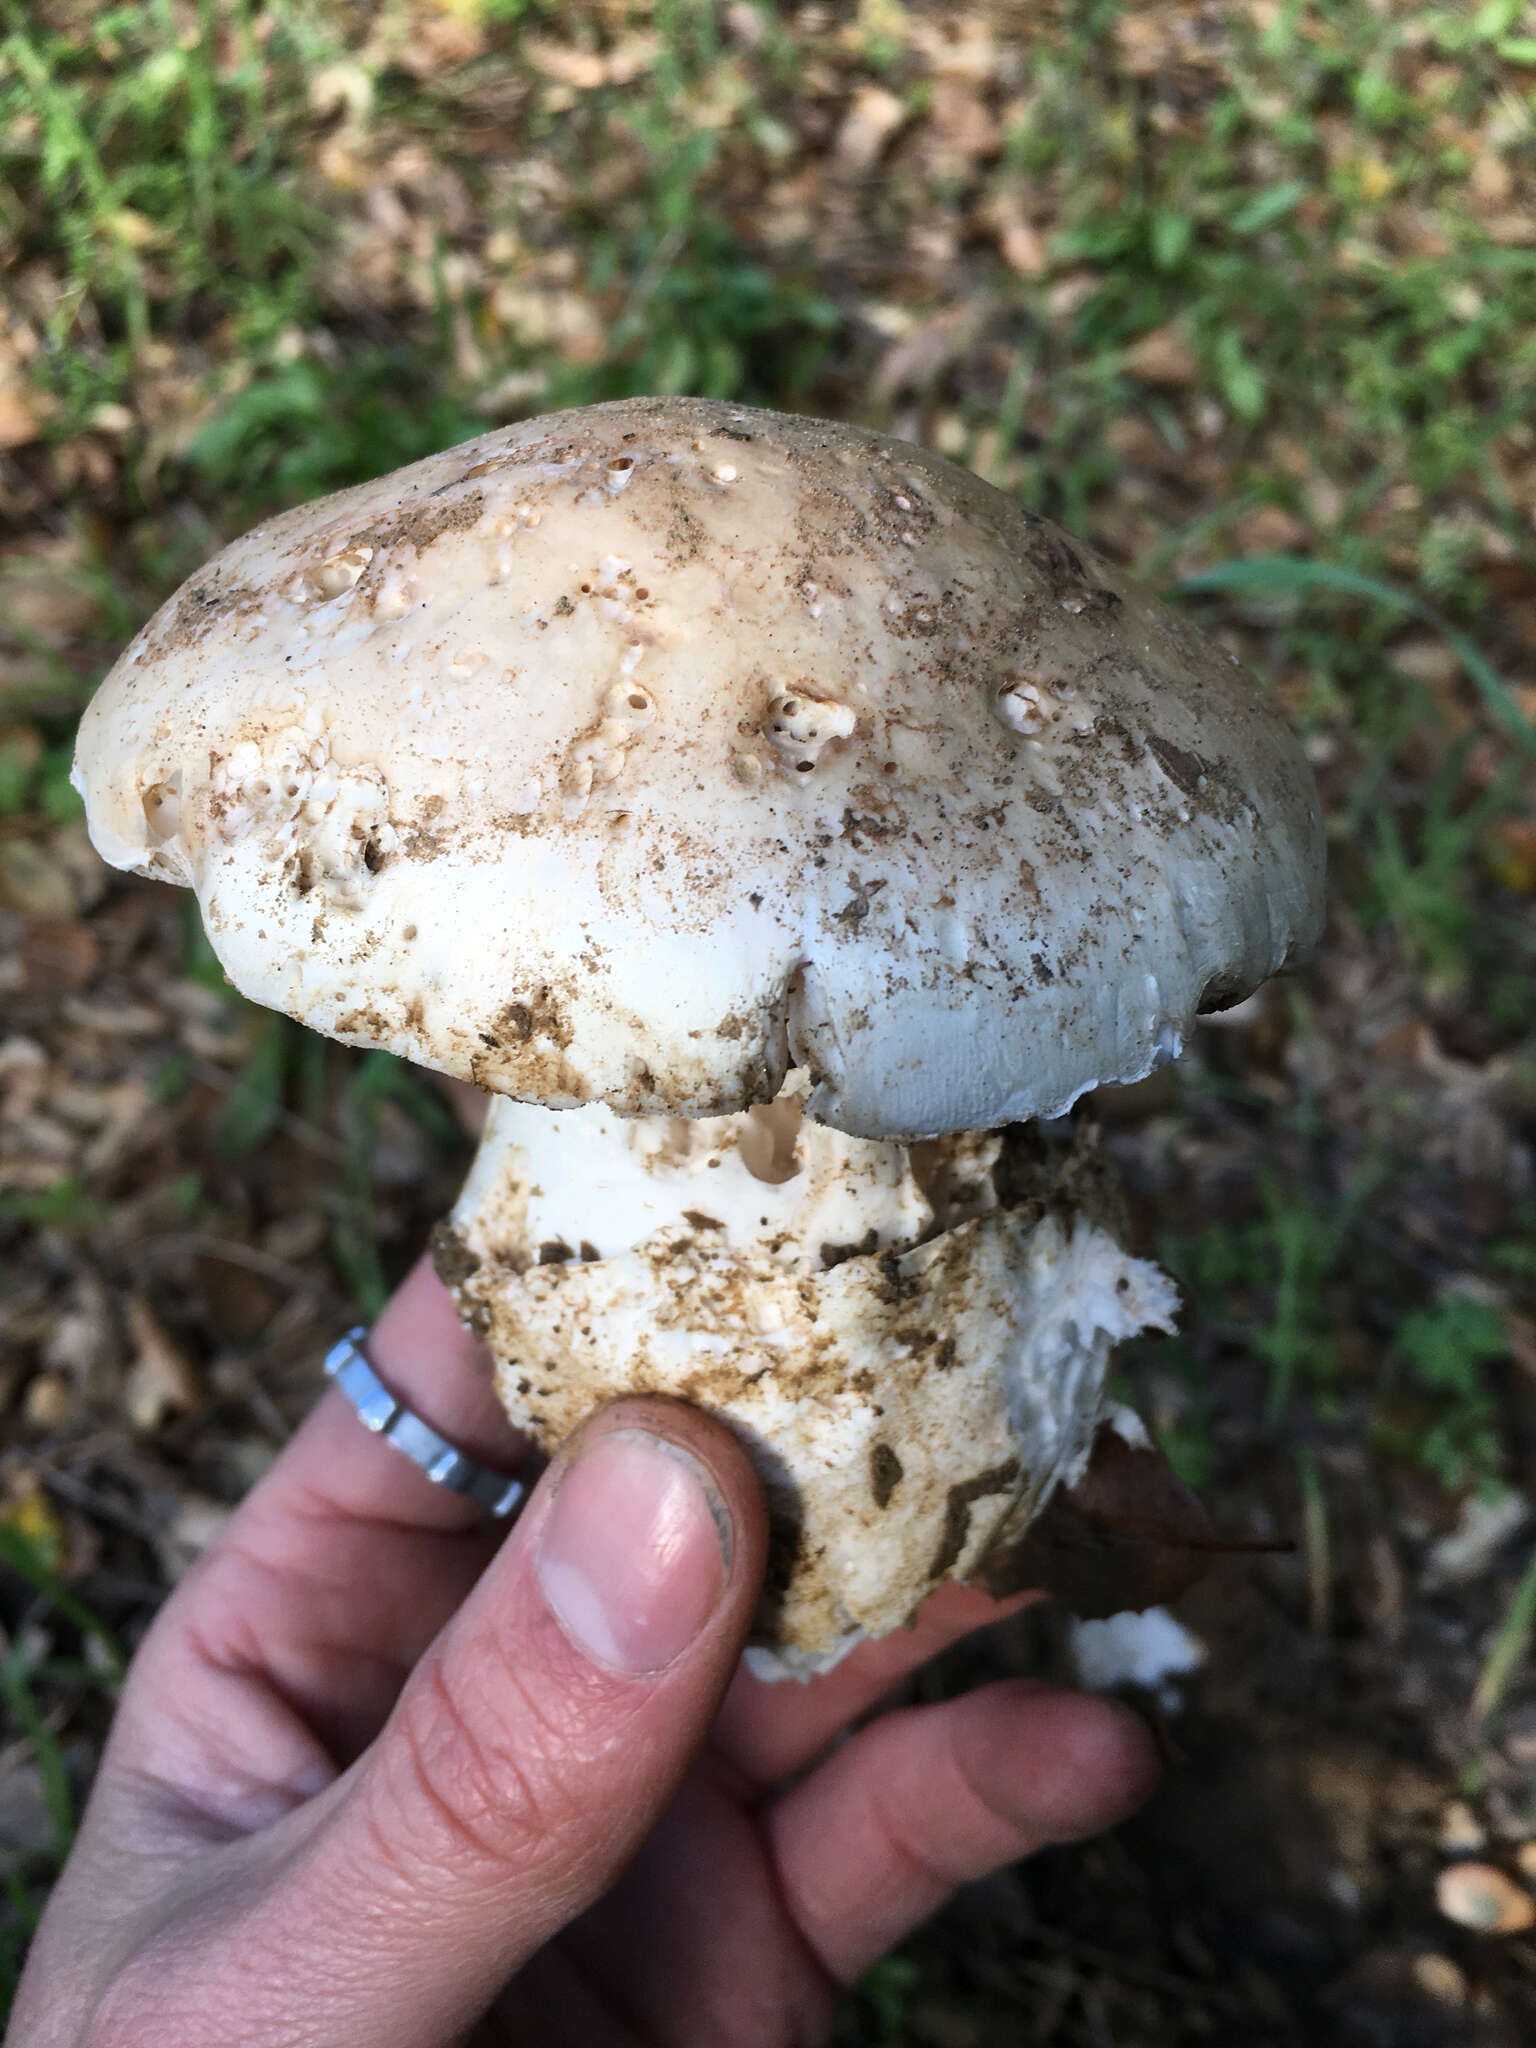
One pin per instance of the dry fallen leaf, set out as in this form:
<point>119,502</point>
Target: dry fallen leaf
<point>922,354</point>
<point>1144,44</point>
<point>50,1401</point>
<point>198,1523</point>
<point>1268,530</point>
<point>23,413</point>
<point>1509,854</point>
<point>35,882</point>
<point>568,64</point>
<point>1490,183</point>
<point>1023,248</point>
<point>162,1379</point>
<point>872,118</point>
<point>1460,1829</point>
<point>1129,1534</point>
<point>960,126</point>
<point>59,952</point>
<point>1428,659</point>
<point>1439,1978</point>
<point>441,41</point>
<point>958,46</point>
<point>1162,357</point>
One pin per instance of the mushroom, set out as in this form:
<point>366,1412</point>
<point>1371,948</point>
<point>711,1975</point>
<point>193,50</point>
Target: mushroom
<point>774,817</point>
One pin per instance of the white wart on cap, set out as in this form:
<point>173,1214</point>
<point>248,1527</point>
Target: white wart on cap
<point>640,754</point>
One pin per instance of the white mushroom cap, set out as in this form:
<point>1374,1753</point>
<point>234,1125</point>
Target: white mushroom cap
<point>641,753</point>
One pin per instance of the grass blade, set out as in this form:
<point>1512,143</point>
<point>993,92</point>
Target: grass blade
<point>21,1557</point>
<point>1297,575</point>
<point>58,1796</point>
<point>1509,1646</point>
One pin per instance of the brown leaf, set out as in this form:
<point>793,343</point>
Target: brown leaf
<point>441,42</point>
<point>1509,854</point>
<point>1129,1534</point>
<point>872,118</point>
<point>1023,248</point>
<point>21,746</point>
<point>59,952</point>
<point>34,882</point>
<point>46,591</point>
<point>961,124</point>
<point>240,1302</point>
<point>956,46</point>
<point>569,64</point>
<point>22,413</point>
<point>921,356</point>
<point>1490,183</point>
<point>162,1379</point>
<point>1268,530</point>
<point>1428,659</point>
<point>1145,44</point>
<point>50,1401</point>
<point>1162,357</point>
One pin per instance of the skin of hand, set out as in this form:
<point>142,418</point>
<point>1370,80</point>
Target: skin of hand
<point>382,1775</point>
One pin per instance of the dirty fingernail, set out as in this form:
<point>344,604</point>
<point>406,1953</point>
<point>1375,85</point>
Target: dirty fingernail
<point>634,1556</point>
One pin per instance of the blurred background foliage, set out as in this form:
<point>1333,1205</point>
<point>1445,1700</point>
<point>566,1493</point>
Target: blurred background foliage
<point>1244,293</point>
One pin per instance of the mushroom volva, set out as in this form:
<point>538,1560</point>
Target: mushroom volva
<point>774,818</point>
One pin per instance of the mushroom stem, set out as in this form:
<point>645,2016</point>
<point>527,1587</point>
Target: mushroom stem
<point>552,1185</point>
<point>912,1361</point>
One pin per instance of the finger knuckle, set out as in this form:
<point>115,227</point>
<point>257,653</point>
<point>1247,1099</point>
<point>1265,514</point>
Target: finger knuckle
<point>462,1787</point>
<point>147,2006</point>
<point>905,1844</point>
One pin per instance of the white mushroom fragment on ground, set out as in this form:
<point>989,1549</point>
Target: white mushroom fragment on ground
<point>773,814</point>
<point>1151,1650</point>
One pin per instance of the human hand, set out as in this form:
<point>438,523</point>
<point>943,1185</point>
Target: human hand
<point>382,1777</point>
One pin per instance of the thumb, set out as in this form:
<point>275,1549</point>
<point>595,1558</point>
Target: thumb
<point>539,1740</point>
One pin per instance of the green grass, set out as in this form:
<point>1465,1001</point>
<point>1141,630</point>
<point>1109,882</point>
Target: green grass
<point>1266,240</point>
<point>376,1079</point>
<point>1441,1355</point>
<point>1309,1284</point>
<point>30,1670</point>
<point>686,308</point>
<point>298,430</point>
<point>292,1076</point>
<point>160,169</point>
<point>35,777</point>
<point>1510,1645</point>
<point>1259,235</point>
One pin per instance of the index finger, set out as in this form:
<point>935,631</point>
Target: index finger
<point>770,1729</point>
<point>301,1624</point>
